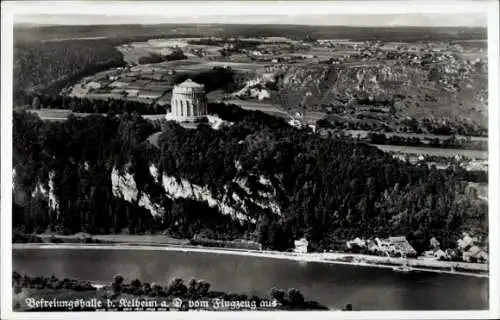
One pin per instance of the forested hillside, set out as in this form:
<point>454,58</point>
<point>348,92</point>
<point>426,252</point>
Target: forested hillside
<point>327,189</point>
<point>242,30</point>
<point>52,65</point>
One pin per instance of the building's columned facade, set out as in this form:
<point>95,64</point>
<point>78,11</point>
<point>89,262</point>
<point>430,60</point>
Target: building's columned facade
<point>189,102</point>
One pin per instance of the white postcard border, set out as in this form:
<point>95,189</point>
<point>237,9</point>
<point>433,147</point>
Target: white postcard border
<point>9,9</point>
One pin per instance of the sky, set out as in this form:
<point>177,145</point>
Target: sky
<point>378,20</point>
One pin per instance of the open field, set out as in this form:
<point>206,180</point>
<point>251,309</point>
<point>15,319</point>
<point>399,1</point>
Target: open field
<point>57,114</point>
<point>364,133</point>
<point>123,238</point>
<point>63,114</point>
<point>475,154</point>
<point>52,113</point>
<point>200,57</point>
<point>199,65</point>
<point>264,106</point>
<point>135,50</point>
<point>268,107</point>
<point>152,82</point>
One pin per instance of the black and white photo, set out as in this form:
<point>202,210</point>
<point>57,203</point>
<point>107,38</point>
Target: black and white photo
<point>249,157</point>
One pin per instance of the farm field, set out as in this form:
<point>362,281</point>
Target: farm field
<point>63,114</point>
<point>198,65</point>
<point>269,108</point>
<point>52,113</point>
<point>135,50</point>
<point>364,133</point>
<point>153,116</point>
<point>147,83</point>
<point>263,106</point>
<point>475,154</point>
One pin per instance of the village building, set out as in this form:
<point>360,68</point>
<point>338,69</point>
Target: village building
<point>356,243</point>
<point>466,242</point>
<point>435,255</point>
<point>394,246</point>
<point>301,245</point>
<point>401,244</point>
<point>474,254</point>
<point>434,243</point>
<point>93,85</point>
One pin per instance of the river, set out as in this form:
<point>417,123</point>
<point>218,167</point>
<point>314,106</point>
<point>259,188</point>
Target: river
<point>332,285</point>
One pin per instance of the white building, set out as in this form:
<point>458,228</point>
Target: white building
<point>435,255</point>
<point>356,242</point>
<point>301,245</point>
<point>93,85</point>
<point>188,103</point>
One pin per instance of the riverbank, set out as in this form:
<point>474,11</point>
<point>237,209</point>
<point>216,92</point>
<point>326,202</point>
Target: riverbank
<point>417,265</point>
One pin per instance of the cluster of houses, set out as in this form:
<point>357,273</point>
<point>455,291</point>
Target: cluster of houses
<point>470,251</point>
<point>436,253</point>
<point>235,244</point>
<point>301,245</point>
<point>466,250</point>
<point>392,246</point>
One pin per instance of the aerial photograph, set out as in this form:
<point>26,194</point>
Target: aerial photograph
<point>250,163</point>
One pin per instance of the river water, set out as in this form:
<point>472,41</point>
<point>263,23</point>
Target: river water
<point>333,285</point>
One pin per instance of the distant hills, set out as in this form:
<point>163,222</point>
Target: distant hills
<point>30,32</point>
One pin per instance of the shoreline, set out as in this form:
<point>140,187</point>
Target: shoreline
<point>330,258</point>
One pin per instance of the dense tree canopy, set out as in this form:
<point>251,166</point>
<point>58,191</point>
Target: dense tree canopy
<point>86,105</point>
<point>157,58</point>
<point>52,65</point>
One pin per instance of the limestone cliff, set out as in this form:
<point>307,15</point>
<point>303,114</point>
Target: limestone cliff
<point>238,199</point>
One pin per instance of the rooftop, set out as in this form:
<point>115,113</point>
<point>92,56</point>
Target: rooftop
<point>397,239</point>
<point>190,84</point>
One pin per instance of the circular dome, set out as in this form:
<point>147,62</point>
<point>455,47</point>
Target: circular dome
<point>189,86</point>
<point>188,102</point>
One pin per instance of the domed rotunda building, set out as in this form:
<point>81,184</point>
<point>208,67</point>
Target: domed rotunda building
<point>189,102</point>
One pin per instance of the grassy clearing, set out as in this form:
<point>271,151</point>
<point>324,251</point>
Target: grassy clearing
<point>477,154</point>
<point>364,133</point>
<point>117,238</point>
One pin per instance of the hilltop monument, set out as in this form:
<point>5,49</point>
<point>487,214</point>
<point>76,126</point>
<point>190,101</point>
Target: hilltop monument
<point>189,102</point>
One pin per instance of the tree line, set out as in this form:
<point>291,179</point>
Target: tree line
<point>459,127</point>
<point>42,66</point>
<point>451,143</point>
<point>157,58</point>
<point>98,106</point>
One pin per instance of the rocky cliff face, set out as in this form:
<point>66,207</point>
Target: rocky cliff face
<point>238,199</point>
<point>124,187</point>
<point>41,190</point>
